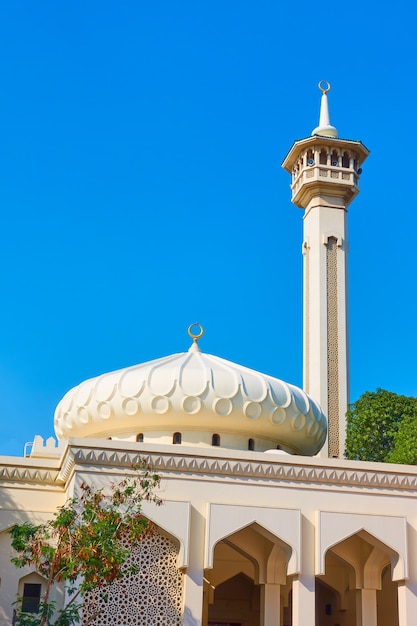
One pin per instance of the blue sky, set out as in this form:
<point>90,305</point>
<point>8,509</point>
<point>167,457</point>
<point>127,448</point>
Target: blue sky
<point>141,188</point>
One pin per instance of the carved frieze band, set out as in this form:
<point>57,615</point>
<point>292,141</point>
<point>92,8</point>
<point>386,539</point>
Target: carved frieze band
<point>28,475</point>
<point>233,469</point>
<point>238,468</point>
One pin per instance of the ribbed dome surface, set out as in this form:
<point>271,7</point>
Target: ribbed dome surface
<point>192,392</point>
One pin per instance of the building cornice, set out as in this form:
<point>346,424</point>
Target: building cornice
<point>217,464</point>
<point>236,466</point>
<point>17,471</point>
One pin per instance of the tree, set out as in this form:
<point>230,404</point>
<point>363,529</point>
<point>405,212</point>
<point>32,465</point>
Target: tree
<point>81,545</point>
<point>379,426</point>
<point>405,442</point>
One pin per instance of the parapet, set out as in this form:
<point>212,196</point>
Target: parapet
<point>41,449</point>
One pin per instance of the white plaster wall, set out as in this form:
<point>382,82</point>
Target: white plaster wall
<point>191,490</point>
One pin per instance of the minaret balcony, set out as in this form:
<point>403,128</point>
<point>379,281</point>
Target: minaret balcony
<point>326,166</point>
<point>324,179</point>
<point>318,172</point>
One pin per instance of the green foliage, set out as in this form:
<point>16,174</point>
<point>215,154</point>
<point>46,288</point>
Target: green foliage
<point>405,442</point>
<point>47,615</point>
<point>380,427</point>
<point>81,545</point>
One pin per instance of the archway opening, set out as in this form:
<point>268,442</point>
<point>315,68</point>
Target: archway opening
<point>236,602</point>
<point>248,584</point>
<point>357,584</point>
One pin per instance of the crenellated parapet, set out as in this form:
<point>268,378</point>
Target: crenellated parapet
<point>42,449</point>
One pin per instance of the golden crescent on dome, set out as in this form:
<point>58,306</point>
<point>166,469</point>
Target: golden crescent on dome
<point>324,89</point>
<point>193,336</point>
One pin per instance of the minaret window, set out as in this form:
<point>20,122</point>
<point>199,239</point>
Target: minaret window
<point>139,438</point>
<point>345,159</point>
<point>310,158</point>
<point>323,157</point>
<point>215,440</point>
<point>251,444</point>
<point>335,158</point>
<point>176,438</point>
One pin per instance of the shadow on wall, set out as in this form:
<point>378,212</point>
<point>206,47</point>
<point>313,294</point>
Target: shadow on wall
<point>412,544</point>
<point>9,515</point>
<point>12,511</point>
<point>189,619</point>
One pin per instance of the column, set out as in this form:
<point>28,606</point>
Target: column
<point>270,605</point>
<point>193,597</point>
<point>304,600</point>
<point>366,614</point>
<point>407,603</point>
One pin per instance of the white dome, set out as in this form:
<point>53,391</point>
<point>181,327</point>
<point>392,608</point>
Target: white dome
<point>197,395</point>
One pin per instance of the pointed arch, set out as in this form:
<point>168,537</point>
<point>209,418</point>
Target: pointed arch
<point>388,533</point>
<point>173,518</point>
<point>283,525</point>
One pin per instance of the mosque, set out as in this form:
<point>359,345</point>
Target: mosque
<point>263,522</point>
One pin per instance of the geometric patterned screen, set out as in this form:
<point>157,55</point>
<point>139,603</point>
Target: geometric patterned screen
<point>150,597</point>
<point>333,396</point>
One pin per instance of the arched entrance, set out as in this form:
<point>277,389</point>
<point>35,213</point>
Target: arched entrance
<point>357,588</point>
<point>236,601</point>
<point>247,584</point>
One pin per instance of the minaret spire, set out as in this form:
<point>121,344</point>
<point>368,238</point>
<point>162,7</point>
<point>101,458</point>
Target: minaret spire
<point>324,129</point>
<point>325,174</point>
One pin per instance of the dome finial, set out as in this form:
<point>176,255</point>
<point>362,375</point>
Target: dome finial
<point>325,129</point>
<point>195,336</point>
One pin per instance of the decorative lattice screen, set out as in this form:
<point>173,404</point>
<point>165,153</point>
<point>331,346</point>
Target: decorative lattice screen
<point>333,403</point>
<point>150,597</point>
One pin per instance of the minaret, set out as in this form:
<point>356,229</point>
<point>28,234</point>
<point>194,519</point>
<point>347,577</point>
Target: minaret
<point>325,173</point>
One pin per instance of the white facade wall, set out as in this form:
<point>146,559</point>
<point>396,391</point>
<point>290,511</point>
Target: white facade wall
<point>302,505</point>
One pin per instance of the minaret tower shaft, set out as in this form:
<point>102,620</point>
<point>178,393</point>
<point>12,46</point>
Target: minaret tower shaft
<point>325,173</point>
